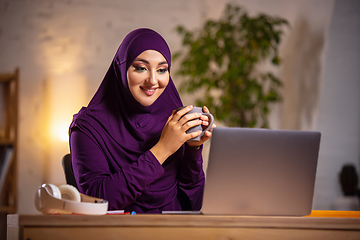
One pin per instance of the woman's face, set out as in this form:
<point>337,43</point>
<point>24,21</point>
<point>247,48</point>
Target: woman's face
<point>148,77</point>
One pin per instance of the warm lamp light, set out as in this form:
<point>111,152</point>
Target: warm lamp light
<point>67,94</point>
<point>67,97</point>
<point>64,136</point>
<point>60,131</point>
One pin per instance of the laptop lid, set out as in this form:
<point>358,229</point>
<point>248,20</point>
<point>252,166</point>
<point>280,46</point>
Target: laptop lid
<point>261,172</point>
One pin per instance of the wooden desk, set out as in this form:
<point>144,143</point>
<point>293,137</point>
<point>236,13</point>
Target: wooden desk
<point>320,225</point>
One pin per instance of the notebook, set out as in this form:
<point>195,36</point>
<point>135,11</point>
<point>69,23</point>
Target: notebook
<point>261,172</point>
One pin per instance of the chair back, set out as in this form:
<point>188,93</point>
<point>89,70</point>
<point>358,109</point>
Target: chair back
<point>68,170</point>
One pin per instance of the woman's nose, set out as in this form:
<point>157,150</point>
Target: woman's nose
<point>152,78</point>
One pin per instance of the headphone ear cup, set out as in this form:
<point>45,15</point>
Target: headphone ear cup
<point>53,190</point>
<point>43,198</point>
<point>69,192</point>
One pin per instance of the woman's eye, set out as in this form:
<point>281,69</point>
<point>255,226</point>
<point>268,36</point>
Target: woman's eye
<point>162,70</point>
<point>140,69</point>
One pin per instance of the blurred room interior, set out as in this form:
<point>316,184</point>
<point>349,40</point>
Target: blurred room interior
<point>63,48</point>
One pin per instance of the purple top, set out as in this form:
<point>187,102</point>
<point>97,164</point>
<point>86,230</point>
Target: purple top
<point>111,138</point>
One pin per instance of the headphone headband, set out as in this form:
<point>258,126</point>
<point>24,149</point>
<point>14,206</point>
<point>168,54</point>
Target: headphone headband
<point>47,203</point>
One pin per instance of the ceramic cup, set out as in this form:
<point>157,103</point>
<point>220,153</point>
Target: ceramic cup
<point>199,127</point>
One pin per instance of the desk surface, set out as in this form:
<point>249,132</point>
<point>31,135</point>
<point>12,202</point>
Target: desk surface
<point>319,222</point>
<point>317,219</point>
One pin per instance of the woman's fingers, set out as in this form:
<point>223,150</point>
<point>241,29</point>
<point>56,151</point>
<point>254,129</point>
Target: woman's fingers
<point>191,124</point>
<point>179,114</point>
<point>181,121</point>
<point>205,109</point>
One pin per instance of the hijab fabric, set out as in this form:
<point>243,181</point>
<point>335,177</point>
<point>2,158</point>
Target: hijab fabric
<point>114,120</point>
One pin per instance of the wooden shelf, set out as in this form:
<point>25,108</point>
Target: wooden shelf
<point>7,77</point>
<point>8,136</point>
<point>7,142</point>
<point>8,209</point>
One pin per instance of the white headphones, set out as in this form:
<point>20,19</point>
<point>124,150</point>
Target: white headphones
<point>66,199</point>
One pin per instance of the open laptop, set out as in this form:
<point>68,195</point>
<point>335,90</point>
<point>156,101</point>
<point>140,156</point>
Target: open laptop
<point>260,172</point>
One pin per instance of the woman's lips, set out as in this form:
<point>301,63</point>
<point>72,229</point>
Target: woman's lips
<point>149,92</point>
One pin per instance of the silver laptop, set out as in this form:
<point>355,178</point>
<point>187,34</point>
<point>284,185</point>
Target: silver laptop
<point>261,172</point>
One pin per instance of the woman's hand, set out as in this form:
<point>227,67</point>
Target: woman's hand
<point>205,123</point>
<point>174,134</point>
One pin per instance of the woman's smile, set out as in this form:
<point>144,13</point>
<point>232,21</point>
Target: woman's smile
<point>148,91</point>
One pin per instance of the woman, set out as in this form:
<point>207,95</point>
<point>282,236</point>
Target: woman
<point>128,145</point>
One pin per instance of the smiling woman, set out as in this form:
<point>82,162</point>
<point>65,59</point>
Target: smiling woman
<point>129,146</point>
<point>148,76</point>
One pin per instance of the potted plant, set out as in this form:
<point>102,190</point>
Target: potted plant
<point>221,59</point>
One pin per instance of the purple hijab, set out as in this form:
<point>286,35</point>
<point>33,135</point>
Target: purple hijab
<point>119,123</point>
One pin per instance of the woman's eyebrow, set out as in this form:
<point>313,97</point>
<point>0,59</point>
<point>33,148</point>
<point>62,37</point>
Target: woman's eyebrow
<point>141,60</point>
<point>147,62</point>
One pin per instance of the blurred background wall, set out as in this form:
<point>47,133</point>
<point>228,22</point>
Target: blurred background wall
<point>63,48</point>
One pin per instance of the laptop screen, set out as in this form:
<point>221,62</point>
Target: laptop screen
<point>261,172</point>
